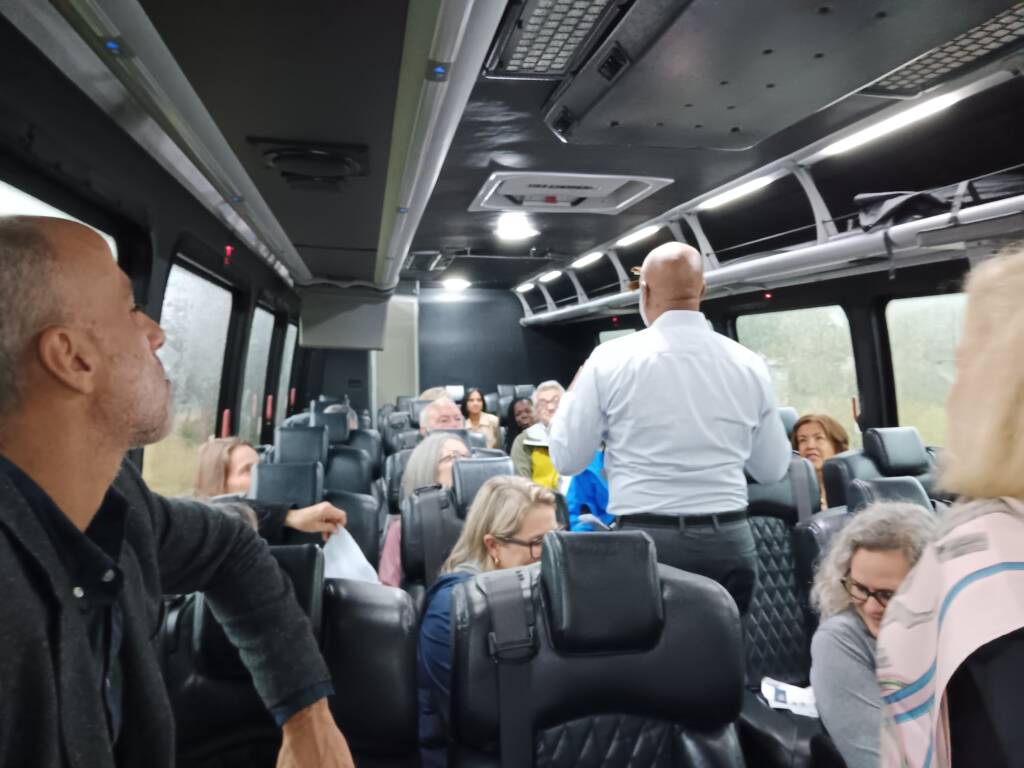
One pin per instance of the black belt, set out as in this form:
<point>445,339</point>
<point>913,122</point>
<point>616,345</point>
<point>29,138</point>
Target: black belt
<point>681,521</point>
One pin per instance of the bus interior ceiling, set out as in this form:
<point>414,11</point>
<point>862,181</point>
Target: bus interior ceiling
<point>363,148</point>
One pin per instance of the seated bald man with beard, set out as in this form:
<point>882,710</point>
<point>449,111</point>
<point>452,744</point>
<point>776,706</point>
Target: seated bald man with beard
<point>682,411</point>
<point>87,551</point>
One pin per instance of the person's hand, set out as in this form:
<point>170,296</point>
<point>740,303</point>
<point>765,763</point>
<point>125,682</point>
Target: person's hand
<point>320,518</point>
<point>312,740</point>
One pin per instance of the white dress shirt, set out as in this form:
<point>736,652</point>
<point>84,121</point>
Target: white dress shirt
<point>682,411</point>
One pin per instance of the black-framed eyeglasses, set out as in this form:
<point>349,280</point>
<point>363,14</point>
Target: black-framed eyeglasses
<point>535,545</point>
<point>862,594</point>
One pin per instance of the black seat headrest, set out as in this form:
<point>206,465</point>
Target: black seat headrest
<point>777,499</point>
<point>524,390</point>
<point>789,418</point>
<point>348,470</point>
<point>336,424</point>
<point>897,451</point>
<point>394,469</point>
<point>369,441</point>
<point>468,475</point>
<point>363,520</point>
<point>300,444</point>
<point>504,403</point>
<point>862,493</point>
<point>603,591</point>
<point>407,440</point>
<point>298,419</point>
<point>404,402</point>
<point>416,409</point>
<point>301,484</point>
<point>843,468</point>
<point>323,402</point>
<point>506,390</point>
<point>491,403</point>
<point>214,654</point>
<point>429,517</point>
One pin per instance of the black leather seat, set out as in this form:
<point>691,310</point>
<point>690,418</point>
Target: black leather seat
<point>394,425</point>
<point>298,420</point>
<point>416,409</point>
<point>219,718</point>
<point>369,641</point>
<point>469,475</point>
<point>862,493</point>
<point>888,452</point>
<point>504,403</point>
<point>348,470</point>
<point>363,521</point>
<point>300,444</point>
<point>407,439</point>
<point>404,402</point>
<point>491,402</point>
<point>629,662</point>
<point>776,631</point>
<point>506,390</point>
<point>431,525</point>
<point>789,418</point>
<point>323,402</point>
<point>524,390</point>
<point>336,425</point>
<point>297,484</point>
<point>394,469</point>
<point>370,442</point>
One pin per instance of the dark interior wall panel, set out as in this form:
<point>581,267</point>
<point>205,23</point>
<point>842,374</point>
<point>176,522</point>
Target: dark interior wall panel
<point>347,372</point>
<point>476,339</point>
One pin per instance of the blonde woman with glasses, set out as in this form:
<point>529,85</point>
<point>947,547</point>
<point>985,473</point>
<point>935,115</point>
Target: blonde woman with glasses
<point>860,573</point>
<point>505,528</point>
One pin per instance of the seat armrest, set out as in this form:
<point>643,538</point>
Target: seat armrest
<point>775,738</point>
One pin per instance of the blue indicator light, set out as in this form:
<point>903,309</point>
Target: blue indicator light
<point>439,70</point>
<point>403,209</point>
<point>113,45</point>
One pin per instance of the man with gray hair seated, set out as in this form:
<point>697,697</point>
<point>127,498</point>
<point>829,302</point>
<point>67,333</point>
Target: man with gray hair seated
<point>530,449</point>
<point>442,413</point>
<point>88,551</point>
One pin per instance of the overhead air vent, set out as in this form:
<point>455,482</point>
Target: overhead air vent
<point>989,40</point>
<point>544,39</point>
<point>313,165</point>
<point>429,261</point>
<point>564,192</point>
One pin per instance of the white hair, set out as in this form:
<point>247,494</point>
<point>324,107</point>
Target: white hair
<point>545,386</point>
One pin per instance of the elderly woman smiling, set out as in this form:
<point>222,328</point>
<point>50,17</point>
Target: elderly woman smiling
<point>860,573</point>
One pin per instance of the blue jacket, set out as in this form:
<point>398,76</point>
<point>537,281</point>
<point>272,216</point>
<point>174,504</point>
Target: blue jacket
<point>588,494</point>
<point>433,669</point>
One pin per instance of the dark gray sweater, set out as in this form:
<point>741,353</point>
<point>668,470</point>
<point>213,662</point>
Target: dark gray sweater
<point>847,693</point>
<point>51,713</point>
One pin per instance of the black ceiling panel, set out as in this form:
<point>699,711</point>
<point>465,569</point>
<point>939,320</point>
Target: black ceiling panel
<point>310,72</point>
<point>503,128</point>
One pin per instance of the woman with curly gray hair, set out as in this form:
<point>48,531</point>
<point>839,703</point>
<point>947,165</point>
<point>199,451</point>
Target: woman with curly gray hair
<point>859,574</point>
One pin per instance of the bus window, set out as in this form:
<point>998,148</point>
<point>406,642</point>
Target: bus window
<point>810,355</point>
<point>923,334</point>
<point>14,202</point>
<point>195,318</point>
<point>286,373</point>
<point>251,413</point>
<point>604,336</point>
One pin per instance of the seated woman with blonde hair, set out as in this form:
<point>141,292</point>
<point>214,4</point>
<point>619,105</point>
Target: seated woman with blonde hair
<point>225,467</point>
<point>505,528</point>
<point>818,437</point>
<point>857,578</point>
<point>953,638</point>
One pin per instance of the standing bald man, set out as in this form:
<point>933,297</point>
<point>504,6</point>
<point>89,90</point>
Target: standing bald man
<point>682,411</point>
<point>87,551</point>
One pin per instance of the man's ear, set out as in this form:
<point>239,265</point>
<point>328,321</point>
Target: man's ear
<point>70,356</point>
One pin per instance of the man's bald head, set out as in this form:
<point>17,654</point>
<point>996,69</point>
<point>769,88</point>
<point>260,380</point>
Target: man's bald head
<point>672,277</point>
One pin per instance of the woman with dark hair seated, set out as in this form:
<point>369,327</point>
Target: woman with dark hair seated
<point>225,467</point>
<point>505,528</point>
<point>520,418</point>
<point>817,437</point>
<point>478,420</point>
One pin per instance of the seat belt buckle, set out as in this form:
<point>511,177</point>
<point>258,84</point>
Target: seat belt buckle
<point>516,651</point>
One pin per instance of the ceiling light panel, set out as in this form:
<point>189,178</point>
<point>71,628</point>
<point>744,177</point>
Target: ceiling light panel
<point>735,193</point>
<point>455,284</point>
<point>515,226</point>
<point>587,260</point>
<point>544,39</point>
<point>974,47</point>
<point>547,277</point>
<point>640,234</point>
<point>894,123</point>
<point>524,288</point>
